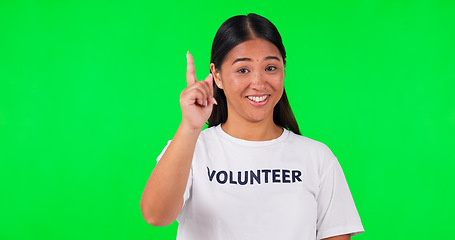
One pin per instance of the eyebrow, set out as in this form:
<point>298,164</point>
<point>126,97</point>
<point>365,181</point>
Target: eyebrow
<point>249,59</point>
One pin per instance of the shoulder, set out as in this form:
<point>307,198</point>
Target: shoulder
<point>208,131</point>
<point>308,144</point>
<point>208,134</point>
<point>312,151</point>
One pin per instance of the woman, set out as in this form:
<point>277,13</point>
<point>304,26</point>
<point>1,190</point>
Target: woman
<point>250,175</point>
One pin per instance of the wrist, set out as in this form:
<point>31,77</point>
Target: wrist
<point>187,128</point>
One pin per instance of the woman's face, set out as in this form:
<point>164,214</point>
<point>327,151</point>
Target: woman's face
<point>252,77</point>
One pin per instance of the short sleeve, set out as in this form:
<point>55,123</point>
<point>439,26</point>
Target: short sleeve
<point>186,195</point>
<point>337,213</point>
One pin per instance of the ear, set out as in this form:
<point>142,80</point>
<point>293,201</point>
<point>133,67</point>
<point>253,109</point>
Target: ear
<point>216,75</point>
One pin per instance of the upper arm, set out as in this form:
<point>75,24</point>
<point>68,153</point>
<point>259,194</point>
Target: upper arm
<point>340,237</point>
<point>337,213</point>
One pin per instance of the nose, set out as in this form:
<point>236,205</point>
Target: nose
<point>258,81</point>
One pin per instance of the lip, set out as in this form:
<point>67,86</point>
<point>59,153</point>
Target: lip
<point>258,104</point>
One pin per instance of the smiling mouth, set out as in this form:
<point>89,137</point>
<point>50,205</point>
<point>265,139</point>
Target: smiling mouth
<point>258,98</point>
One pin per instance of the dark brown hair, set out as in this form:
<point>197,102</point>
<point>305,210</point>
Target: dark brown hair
<point>232,32</point>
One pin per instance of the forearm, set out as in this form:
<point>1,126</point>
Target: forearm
<point>340,237</point>
<point>162,198</point>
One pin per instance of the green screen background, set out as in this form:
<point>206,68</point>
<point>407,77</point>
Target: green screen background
<point>89,96</point>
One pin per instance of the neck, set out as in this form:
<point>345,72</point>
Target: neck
<point>252,131</point>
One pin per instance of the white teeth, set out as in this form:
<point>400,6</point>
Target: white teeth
<point>257,99</point>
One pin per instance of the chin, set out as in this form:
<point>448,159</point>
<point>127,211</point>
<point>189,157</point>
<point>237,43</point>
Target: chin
<point>258,118</point>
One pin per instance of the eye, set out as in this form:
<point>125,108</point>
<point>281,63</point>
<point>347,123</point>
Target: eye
<point>243,70</point>
<point>270,68</point>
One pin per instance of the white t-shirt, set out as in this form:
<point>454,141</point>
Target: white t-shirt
<point>291,187</point>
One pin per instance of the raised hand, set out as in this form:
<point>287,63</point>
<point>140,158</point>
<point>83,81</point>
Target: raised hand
<point>196,100</point>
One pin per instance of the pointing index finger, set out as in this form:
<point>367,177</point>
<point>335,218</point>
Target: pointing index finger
<point>190,73</point>
<point>209,81</point>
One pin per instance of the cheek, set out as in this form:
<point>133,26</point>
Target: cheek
<point>234,85</point>
<point>277,82</point>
